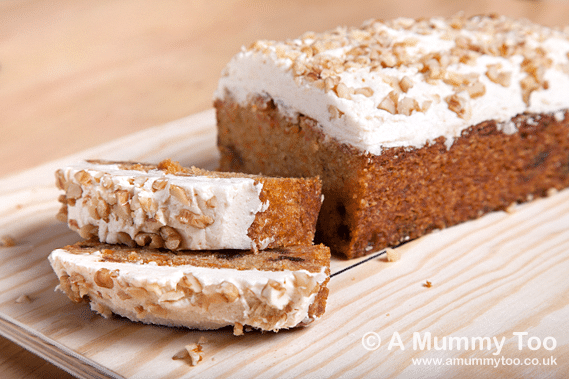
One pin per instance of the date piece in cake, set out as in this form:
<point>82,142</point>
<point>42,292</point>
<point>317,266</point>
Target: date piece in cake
<point>169,206</point>
<point>279,289</point>
<point>412,125</point>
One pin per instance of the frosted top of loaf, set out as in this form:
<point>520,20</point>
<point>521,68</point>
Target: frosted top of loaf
<point>407,82</point>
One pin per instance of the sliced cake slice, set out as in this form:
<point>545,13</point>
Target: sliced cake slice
<point>178,208</point>
<point>281,288</point>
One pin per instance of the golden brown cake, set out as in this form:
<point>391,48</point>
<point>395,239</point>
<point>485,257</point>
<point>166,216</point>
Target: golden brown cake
<point>412,125</point>
<point>181,208</point>
<point>279,289</point>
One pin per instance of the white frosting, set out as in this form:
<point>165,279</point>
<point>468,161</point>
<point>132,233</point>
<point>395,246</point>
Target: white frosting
<point>269,69</point>
<point>232,213</point>
<point>165,302</point>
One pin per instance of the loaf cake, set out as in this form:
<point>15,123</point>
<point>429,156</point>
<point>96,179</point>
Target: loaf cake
<point>169,206</point>
<point>279,289</point>
<point>412,125</point>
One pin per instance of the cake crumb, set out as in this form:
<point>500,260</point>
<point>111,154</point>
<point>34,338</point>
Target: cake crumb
<point>237,329</point>
<point>392,255</point>
<point>23,299</point>
<point>192,352</point>
<point>7,241</point>
<point>428,284</point>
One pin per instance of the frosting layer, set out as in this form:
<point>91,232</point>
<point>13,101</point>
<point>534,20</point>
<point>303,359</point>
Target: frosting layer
<point>186,212</point>
<point>407,82</point>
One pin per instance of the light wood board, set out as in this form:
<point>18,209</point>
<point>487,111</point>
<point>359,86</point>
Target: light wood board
<point>505,273</point>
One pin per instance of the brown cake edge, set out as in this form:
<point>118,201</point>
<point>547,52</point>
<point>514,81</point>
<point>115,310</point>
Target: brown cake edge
<point>372,202</point>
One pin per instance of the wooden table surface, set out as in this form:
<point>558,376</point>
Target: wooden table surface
<point>76,74</point>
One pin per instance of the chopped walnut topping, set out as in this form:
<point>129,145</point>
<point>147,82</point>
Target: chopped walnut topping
<point>104,278</point>
<point>88,231</point>
<point>366,91</point>
<point>458,105</point>
<point>159,185</point>
<point>476,89</point>
<point>74,191</point>
<point>376,45</point>
<point>179,193</point>
<point>172,239</point>
<point>407,105</point>
<point>82,177</point>
<point>405,84</point>
<point>497,76</point>
<point>151,240</point>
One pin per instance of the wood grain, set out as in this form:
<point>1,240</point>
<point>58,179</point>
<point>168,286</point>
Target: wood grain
<point>74,75</point>
<point>493,277</point>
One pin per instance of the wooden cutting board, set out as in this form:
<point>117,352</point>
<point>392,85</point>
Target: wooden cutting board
<point>491,281</point>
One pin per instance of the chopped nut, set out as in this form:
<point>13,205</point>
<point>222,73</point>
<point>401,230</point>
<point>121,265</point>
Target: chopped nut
<point>501,78</point>
<point>125,239</point>
<point>82,177</point>
<point>74,191</point>
<point>343,91</point>
<point>388,105</point>
<point>552,191</point>
<point>392,255</point>
<point>62,214</point>
<point>428,284</point>
<point>229,291</point>
<point>366,91</point>
<point>60,181</point>
<point>104,278</point>
<point>151,240</point>
<point>211,202</point>
<point>172,239</point>
<point>103,209</point>
<point>88,231</point>
<point>334,112</point>
<point>457,104</point>
<point>8,241</point>
<point>405,84</point>
<point>476,89</point>
<point>407,105</point>
<point>159,185</point>
<point>23,299</point>
<point>192,351</point>
<point>238,329</point>
<point>148,205</point>
<point>179,193</point>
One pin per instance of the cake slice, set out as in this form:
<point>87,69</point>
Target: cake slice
<point>412,125</point>
<point>181,208</point>
<point>279,289</point>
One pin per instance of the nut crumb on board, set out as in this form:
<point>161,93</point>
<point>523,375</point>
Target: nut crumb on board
<point>7,241</point>
<point>23,299</point>
<point>192,352</point>
<point>237,329</point>
<point>427,284</point>
<point>392,255</point>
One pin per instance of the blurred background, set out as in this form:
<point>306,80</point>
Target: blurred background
<point>76,74</point>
